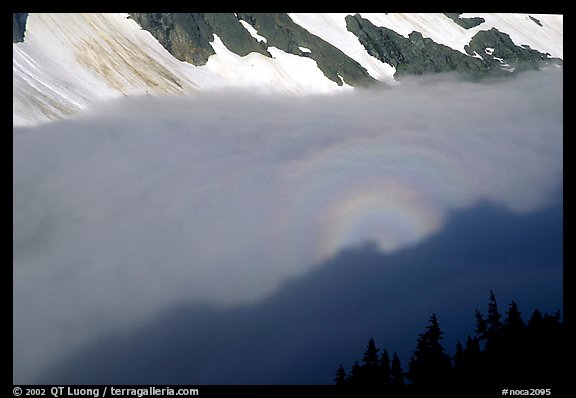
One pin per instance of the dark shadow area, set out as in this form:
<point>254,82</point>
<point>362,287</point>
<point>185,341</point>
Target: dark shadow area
<point>312,323</point>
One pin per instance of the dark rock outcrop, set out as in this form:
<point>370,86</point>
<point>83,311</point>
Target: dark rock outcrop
<point>498,50</point>
<point>414,55</point>
<point>187,36</point>
<point>18,26</point>
<point>283,33</point>
<point>466,23</point>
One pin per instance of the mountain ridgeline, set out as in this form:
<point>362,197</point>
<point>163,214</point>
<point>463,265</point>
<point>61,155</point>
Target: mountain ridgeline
<point>187,36</point>
<point>64,63</point>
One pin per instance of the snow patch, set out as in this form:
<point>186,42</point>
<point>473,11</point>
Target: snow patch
<point>476,55</point>
<point>253,32</point>
<point>284,72</point>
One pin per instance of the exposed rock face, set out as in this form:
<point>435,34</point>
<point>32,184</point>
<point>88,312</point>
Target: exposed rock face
<point>536,21</point>
<point>490,52</point>
<point>18,26</point>
<point>498,51</point>
<point>187,36</point>
<point>466,23</point>
<point>281,32</point>
<point>412,55</point>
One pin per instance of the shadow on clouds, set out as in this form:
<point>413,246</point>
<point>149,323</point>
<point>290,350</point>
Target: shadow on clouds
<point>301,332</point>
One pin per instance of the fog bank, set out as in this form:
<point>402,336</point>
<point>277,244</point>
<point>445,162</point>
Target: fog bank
<point>219,197</point>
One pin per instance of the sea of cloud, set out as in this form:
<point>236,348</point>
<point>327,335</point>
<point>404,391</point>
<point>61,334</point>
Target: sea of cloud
<point>219,197</point>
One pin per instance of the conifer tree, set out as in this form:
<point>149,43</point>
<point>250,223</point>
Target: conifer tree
<point>467,361</point>
<point>370,357</point>
<point>429,365</point>
<point>340,378</point>
<point>472,347</point>
<point>355,376</point>
<point>535,319</point>
<point>459,357</point>
<point>513,352</point>
<point>481,326</point>
<point>513,324</point>
<point>396,372</point>
<point>493,368</point>
<point>385,369</point>
<point>493,319</point>
<point>370,368</point>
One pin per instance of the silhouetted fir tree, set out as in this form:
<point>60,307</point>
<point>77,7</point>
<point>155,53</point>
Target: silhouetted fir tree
<point>458,361</point>
<point>396,372</point>
<point>356,375</point>
<point>460,369</point>
<point>493,322</point>
<point>472,350</point>
<point>513,324</point>
<point>385,369</point>
<point>370,357</point>
<point>535,319</point>
<point>481,326</point>
<point>468,361</point>
<point>340,378</point>
<point>547,341</point>
<point>370,367</point>
<point>514,353</point>
<point>429,366</point>
<point>539,324</point>
<point>494,368</point>
<point>552,324</point>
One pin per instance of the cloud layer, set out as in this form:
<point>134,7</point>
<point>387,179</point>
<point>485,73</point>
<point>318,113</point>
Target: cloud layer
<point>300,333</point>
<point>220,197</point>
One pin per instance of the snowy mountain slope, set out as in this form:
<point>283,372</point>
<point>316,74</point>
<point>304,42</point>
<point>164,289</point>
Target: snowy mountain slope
<point>62,63</point>
<point>68,61</point>
<point>522,29</point>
